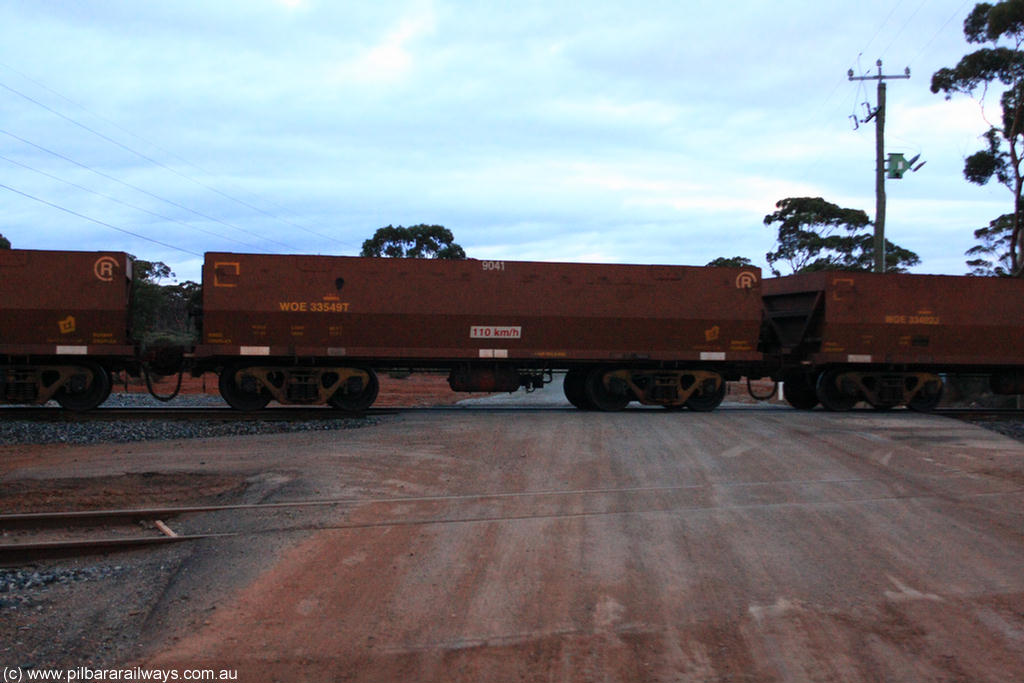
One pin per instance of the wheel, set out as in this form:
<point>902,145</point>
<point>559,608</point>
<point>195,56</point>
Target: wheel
<point>575,389</point>
<point>86,389</point>
<point>707,397</point>
<point>357,402</point>
<point>241,397</point>
<point>836,395</point>
<point>799,392</point>
<point>600,396</point>
<point>927,399</point>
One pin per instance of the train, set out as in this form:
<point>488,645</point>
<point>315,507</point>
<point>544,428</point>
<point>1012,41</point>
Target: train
<point>309,330</point>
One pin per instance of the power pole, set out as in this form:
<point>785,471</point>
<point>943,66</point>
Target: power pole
<point>879,116</point>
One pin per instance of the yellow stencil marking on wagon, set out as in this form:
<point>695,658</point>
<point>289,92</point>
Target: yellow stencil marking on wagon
<point>313,306</point>
<point>225,273</point>
<point>841,285</point>
<point>67,325</point>
<point>104,268</point>
<point>920,318</point>
<point>746,280</point>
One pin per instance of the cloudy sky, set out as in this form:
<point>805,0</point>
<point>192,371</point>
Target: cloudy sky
<point>636,132</point>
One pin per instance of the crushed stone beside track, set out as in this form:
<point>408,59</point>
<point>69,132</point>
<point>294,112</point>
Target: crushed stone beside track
<point>15,432</point>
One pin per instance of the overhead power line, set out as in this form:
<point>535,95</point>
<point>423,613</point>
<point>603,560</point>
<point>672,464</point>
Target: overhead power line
<point>139,189</point>
<point>959,12</point>
<point>124,203</point>
<point>160,164</point>
<point>98,222</point>
<point>903,27</point>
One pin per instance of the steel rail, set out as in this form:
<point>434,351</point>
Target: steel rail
<point>212,413</point>
<point>981,414</point>
<point>18,553</point>
<point>292,413</point>
<point>13,554</point>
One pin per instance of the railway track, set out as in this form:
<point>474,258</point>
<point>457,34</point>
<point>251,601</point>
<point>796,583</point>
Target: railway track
<point>287,413</point>
<point>224,414</point>
<point>982,413</point>
<point>71,533</point>
<point>66,534</point>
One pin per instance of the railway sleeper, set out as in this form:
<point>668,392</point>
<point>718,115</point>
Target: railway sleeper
<point>882,389</point>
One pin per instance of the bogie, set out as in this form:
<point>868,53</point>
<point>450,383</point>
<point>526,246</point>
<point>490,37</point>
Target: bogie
<point>841,388</point>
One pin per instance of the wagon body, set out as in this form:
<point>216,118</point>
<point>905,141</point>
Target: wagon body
<point>936,321</point>
<point>64,303</point>
<point>429,312</point>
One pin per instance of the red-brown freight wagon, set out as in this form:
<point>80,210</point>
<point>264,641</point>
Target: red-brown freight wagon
<point>885,338</point>
<point>64,325</point>
<point>307,329</point>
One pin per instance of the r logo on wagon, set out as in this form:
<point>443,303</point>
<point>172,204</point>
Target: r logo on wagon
<point>495,332</point>
<point>746,280</point>
<point>104,268</point>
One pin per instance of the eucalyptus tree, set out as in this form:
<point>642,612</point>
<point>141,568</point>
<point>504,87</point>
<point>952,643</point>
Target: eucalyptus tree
<point>814,234</point>
<point>416,241</point>
<point>1000,63</point>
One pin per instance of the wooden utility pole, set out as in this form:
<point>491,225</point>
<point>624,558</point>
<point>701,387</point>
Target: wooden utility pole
<point>879,115</point>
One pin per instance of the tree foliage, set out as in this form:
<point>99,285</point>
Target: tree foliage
<point>417,241</point>
<point>814,234</point>
<point>730,262</point>
<point>4,243</point>
<point>991,256</point>
<point>163,315</point>
<point>1001,156</point>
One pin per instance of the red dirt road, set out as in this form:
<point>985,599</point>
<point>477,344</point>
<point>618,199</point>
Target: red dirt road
<point>742,545</point>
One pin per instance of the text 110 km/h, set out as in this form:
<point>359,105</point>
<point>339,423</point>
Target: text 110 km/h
<point>494,332</point>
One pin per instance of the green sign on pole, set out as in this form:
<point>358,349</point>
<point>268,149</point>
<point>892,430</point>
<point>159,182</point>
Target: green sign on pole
<point>897,165</point>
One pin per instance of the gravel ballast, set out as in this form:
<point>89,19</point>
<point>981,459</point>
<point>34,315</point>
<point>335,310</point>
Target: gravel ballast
<point>14,432</point>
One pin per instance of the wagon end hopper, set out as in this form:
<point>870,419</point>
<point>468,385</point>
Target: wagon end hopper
<point>492,323</point>
<point>64,321</point>
<point>885,338</point>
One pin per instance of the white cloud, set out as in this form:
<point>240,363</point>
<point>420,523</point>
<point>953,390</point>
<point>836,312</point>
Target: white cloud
<point>391,58</point>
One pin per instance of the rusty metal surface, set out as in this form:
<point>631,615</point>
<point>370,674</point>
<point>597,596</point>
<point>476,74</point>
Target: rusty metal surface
<point>910,319</point>
<point>423,310</point>
<point>51,299</point>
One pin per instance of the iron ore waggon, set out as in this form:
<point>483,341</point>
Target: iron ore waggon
<point>841,337</point>
<point>315,329</point>
<point>64,325</point>
<point>318,329</point>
